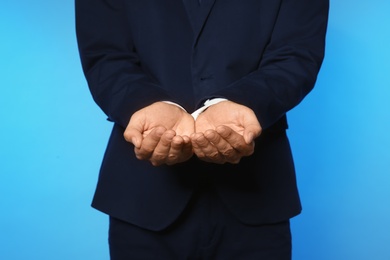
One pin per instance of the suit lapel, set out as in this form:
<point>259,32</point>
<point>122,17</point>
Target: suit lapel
<point>198,14</point>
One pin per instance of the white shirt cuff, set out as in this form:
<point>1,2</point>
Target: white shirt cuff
<point>208,103</point>
<point>175,104</point>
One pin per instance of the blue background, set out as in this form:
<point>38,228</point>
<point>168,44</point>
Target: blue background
<point>53,137</point>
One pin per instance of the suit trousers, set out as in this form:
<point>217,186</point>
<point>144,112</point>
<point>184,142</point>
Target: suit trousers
<point>205,230</point>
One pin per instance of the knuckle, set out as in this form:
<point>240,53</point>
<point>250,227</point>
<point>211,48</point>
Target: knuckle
<point>172,157</point>
<point>200,154</point>
<point>214,156</point>
<point>158,157</point>
<point>154,163</point>
<point>142,156</point>
<point>229,153</point>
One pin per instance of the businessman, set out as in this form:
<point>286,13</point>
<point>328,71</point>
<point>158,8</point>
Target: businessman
<point>198,164</point>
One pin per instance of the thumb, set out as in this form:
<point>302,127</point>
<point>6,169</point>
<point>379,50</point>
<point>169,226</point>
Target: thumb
<point>134,136</point>
<point>251,132</point>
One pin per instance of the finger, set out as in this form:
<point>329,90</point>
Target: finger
<point>177,144</point>
<point>162,149</point>
<point>184,156</point>
<point>134,130</point>
<point>225,149</point>
<point>251,132</point>
<point>187,151</point>
<point>134,136</point>
<point>215,138</point>
<point>235,140</point>
<point>175,153</point>
<point>232,137</point>
<point>195,146</point>
<point>187,144</point>
<point>206,151</point>
<point>186,139</point>
<point>149,143</point>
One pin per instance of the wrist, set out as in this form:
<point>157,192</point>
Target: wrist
<point>206,105</point>
<point>175,104</point>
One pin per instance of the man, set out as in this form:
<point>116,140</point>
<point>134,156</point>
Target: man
<point>198,165</point>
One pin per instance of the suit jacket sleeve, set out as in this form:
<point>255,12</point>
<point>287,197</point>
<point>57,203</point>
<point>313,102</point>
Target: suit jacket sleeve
<point>286,71</point>
<point>111,66</point>
<point>290,63</point>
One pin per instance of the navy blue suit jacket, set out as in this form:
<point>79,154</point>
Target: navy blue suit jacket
<point>264,54</point>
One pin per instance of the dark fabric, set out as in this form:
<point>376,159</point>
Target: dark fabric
<point>206,230</point>
<point>259,53</point>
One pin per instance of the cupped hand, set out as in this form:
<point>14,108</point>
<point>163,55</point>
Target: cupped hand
<point>225,133</point>
<point>160,133</point>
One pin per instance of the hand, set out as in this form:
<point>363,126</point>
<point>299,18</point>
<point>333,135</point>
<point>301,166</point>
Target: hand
<point>225,132</point>
<point>160,133</point>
